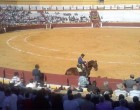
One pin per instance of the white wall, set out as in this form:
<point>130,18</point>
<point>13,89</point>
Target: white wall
<point>120,15</point>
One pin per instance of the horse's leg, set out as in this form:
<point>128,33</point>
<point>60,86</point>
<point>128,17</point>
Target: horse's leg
<point>87,73</point>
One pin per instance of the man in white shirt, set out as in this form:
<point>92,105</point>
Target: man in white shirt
<point>31,84</point>
<point>15,79</point>
<point>134,92</point>
<point>120,90</point>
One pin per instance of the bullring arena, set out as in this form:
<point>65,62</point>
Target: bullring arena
<point>56,46</point>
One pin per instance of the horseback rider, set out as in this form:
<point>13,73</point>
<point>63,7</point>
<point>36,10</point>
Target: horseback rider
<point>81,63</point>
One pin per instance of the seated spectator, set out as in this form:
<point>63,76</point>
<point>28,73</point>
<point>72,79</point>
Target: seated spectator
<point>103,105</point>
<point>83,81</point>
<point>56,102</point>
<point>27,102</point>
<point>137,79</point>
<point>70,104</point>
<point>93,88</point>
<point>108,97</point>
<point>78,97</point>
<point>138,84</point>
<point>65,97</point>
<point>122,106</point>
<point>120,90</point>
<point>2,96</point>
<point>130,82</point>
<point>73,88</point>
<point>21,83</point>
<point>117,102</point>
<point>15,79</point>
<point>40,102</point>
<point>31,84</point>
<point>105,88</point>
<point>135,105</point>
<point>134,92</point>
<point>87,104</point>
<point>7,101</point>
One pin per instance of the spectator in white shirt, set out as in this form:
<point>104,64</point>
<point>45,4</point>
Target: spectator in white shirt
<point>134,92</point>
<point>31,84</point>
<point>21,83</point>
<point>15,79</point>
<point>120,90</point>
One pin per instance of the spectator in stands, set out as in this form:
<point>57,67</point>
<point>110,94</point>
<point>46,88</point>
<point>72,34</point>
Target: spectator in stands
<point>105,88</point>
<point>130,82</point>
<point>108,97</point>
<point>65,97</point>
<point>79,98</point>
<point>122,106</point>
<point>83,82</point>
<point>31,84</point>
<point>135,105</point>
<point>27,102</point>
<point>117,102</point>
<point>2,96</point>
<point>36,73</point>
<point>134,92</point>
<point>40,102</point>
<point>120,90</point>
<point>87,104</point>
<point>92,88</point>
<point>56,102</point>
<point>21,83</point>
<point>15,79</point>
<point>103,105</point>
<point>7,101</point>
<point>73,88</point>
<point>138,84</point>
<point>137,79</point>
<point>70,104</point>
<point>14,98</point>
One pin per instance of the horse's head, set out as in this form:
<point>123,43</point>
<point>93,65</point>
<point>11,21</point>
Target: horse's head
<point>93,64</point>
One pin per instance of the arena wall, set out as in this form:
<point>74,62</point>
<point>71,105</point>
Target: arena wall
<point>50,78</point>
<point>68,2</point>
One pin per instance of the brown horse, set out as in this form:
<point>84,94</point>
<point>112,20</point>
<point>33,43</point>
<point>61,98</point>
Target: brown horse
<point>74,71</point>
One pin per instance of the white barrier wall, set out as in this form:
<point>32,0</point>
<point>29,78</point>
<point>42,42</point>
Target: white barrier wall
<point>120,15</point>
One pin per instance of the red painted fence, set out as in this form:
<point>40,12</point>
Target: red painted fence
<point>51,78</point>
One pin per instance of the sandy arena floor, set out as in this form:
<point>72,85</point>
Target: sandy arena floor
<point>116,50</point>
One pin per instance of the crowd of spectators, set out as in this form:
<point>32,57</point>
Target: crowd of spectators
<point>14,15</point>
<point>32,96</point>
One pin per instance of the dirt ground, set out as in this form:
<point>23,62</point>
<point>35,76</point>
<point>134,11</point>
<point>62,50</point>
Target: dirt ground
<point>117,50</point>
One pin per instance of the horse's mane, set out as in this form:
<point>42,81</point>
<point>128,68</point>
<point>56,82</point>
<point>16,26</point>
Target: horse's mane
<point>90,63</point>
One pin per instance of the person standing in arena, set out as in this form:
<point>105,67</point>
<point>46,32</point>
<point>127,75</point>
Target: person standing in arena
<point>36,73</point>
